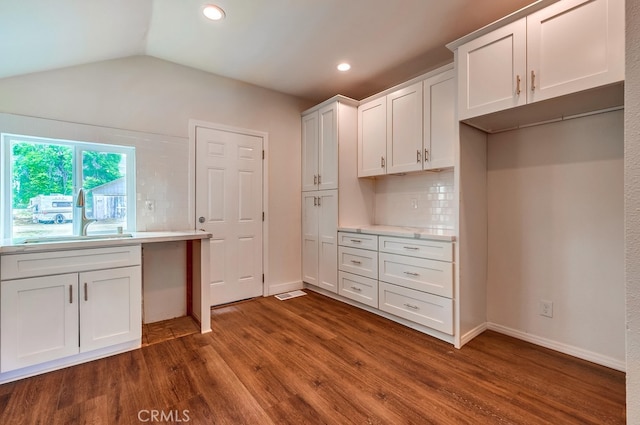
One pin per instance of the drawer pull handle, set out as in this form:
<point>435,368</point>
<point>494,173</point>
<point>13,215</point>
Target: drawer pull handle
<point>70,294</point>
<point>413,248</point>
<point>355,288</point>
<point>356,262</point>
<point>356,241</point>
<point>533,80</point>
<point>86,292</point>
<point>412,307</point>
<point>411,274</point>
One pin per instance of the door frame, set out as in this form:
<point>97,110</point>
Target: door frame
<point>193,125</point>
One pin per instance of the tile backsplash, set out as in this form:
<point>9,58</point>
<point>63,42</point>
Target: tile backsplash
<point>416,200</point>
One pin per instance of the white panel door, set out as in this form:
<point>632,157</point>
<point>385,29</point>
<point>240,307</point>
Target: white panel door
<point>574,45</point>
<point>39,320</point>
<point>372,138</point>
<point>229,206</point>
<point>110,307</point>
<point>491,71</point>
<point>404,129</point>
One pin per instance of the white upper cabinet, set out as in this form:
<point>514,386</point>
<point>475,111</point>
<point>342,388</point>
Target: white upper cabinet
<point>372,138</point>
<point>570,46</point>
<point>310,136</point>
<point>491,71</point>
<point>439,121</point>
<point>574,45</point>
<point>409,129</point>
<point>320,149</point>
<point>404,129</point>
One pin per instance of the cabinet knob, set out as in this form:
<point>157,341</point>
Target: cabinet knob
<point>201,220</point>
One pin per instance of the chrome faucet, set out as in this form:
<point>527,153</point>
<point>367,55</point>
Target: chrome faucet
<point>84,221</point>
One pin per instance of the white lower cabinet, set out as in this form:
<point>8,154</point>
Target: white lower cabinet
<point>358,261</point>
<point>39,320</point>
<point>46,318</point>
<point>319,239</point>
<point>420,307</point>
<point>406,277</point>
<point>421,274</point>
<point>358,288</point>
<point>358,265</point>
<point>110,307</point>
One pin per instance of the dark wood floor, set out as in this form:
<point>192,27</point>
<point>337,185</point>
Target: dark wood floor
<point>312,360</point>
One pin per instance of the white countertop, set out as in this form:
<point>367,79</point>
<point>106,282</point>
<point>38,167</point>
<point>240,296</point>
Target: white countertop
<point>13,246</point>
<point>402,231</point>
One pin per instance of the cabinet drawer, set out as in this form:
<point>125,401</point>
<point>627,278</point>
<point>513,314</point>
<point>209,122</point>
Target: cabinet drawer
<point>358,240</point>
<point>18,266</point>
<point>358,288</point>
<point>435,277</point>
<point>358,261</point>
<point>421,248</point>
<point>426,309</point>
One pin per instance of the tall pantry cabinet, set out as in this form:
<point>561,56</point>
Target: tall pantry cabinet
<point>325,128</point>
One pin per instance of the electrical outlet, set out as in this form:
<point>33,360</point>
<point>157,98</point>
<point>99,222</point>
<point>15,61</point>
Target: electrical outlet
<point>546,308</point>
<point>150,205</point>
<point>414,203</point>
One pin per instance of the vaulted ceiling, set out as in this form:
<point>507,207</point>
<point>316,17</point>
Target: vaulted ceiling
<point>292,46</point>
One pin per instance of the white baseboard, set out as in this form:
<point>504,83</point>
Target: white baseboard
<point>561,347</point>
<point>279,288</point>
<point>472,334</point>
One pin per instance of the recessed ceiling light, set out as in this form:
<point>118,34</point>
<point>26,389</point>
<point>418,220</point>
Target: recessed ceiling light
<point>344,67</point>
<point>215,13</point>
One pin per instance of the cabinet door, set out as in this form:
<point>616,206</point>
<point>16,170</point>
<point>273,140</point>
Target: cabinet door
<point>39,320</point>
<point>491,71</point>
<point>439,121</point>
<point>328,240</point>
<point>110,307</point>
<point>574,45</point>
<point>404,129</point>
<point>328,147</point>
<point>372,138</point>
<point>310,151</point>
<point>310,215</point>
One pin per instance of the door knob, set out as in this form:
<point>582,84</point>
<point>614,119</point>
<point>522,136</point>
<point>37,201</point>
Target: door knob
<point>201,220</point>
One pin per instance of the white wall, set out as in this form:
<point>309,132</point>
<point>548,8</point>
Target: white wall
<point>151,95</point>
<point>632,207</point>
<point>556,232</point>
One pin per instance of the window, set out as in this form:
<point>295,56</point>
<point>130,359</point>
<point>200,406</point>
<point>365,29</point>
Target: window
<point>41,179</point>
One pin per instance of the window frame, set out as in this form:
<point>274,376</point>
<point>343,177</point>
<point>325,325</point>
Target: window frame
<point>78,148</point>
